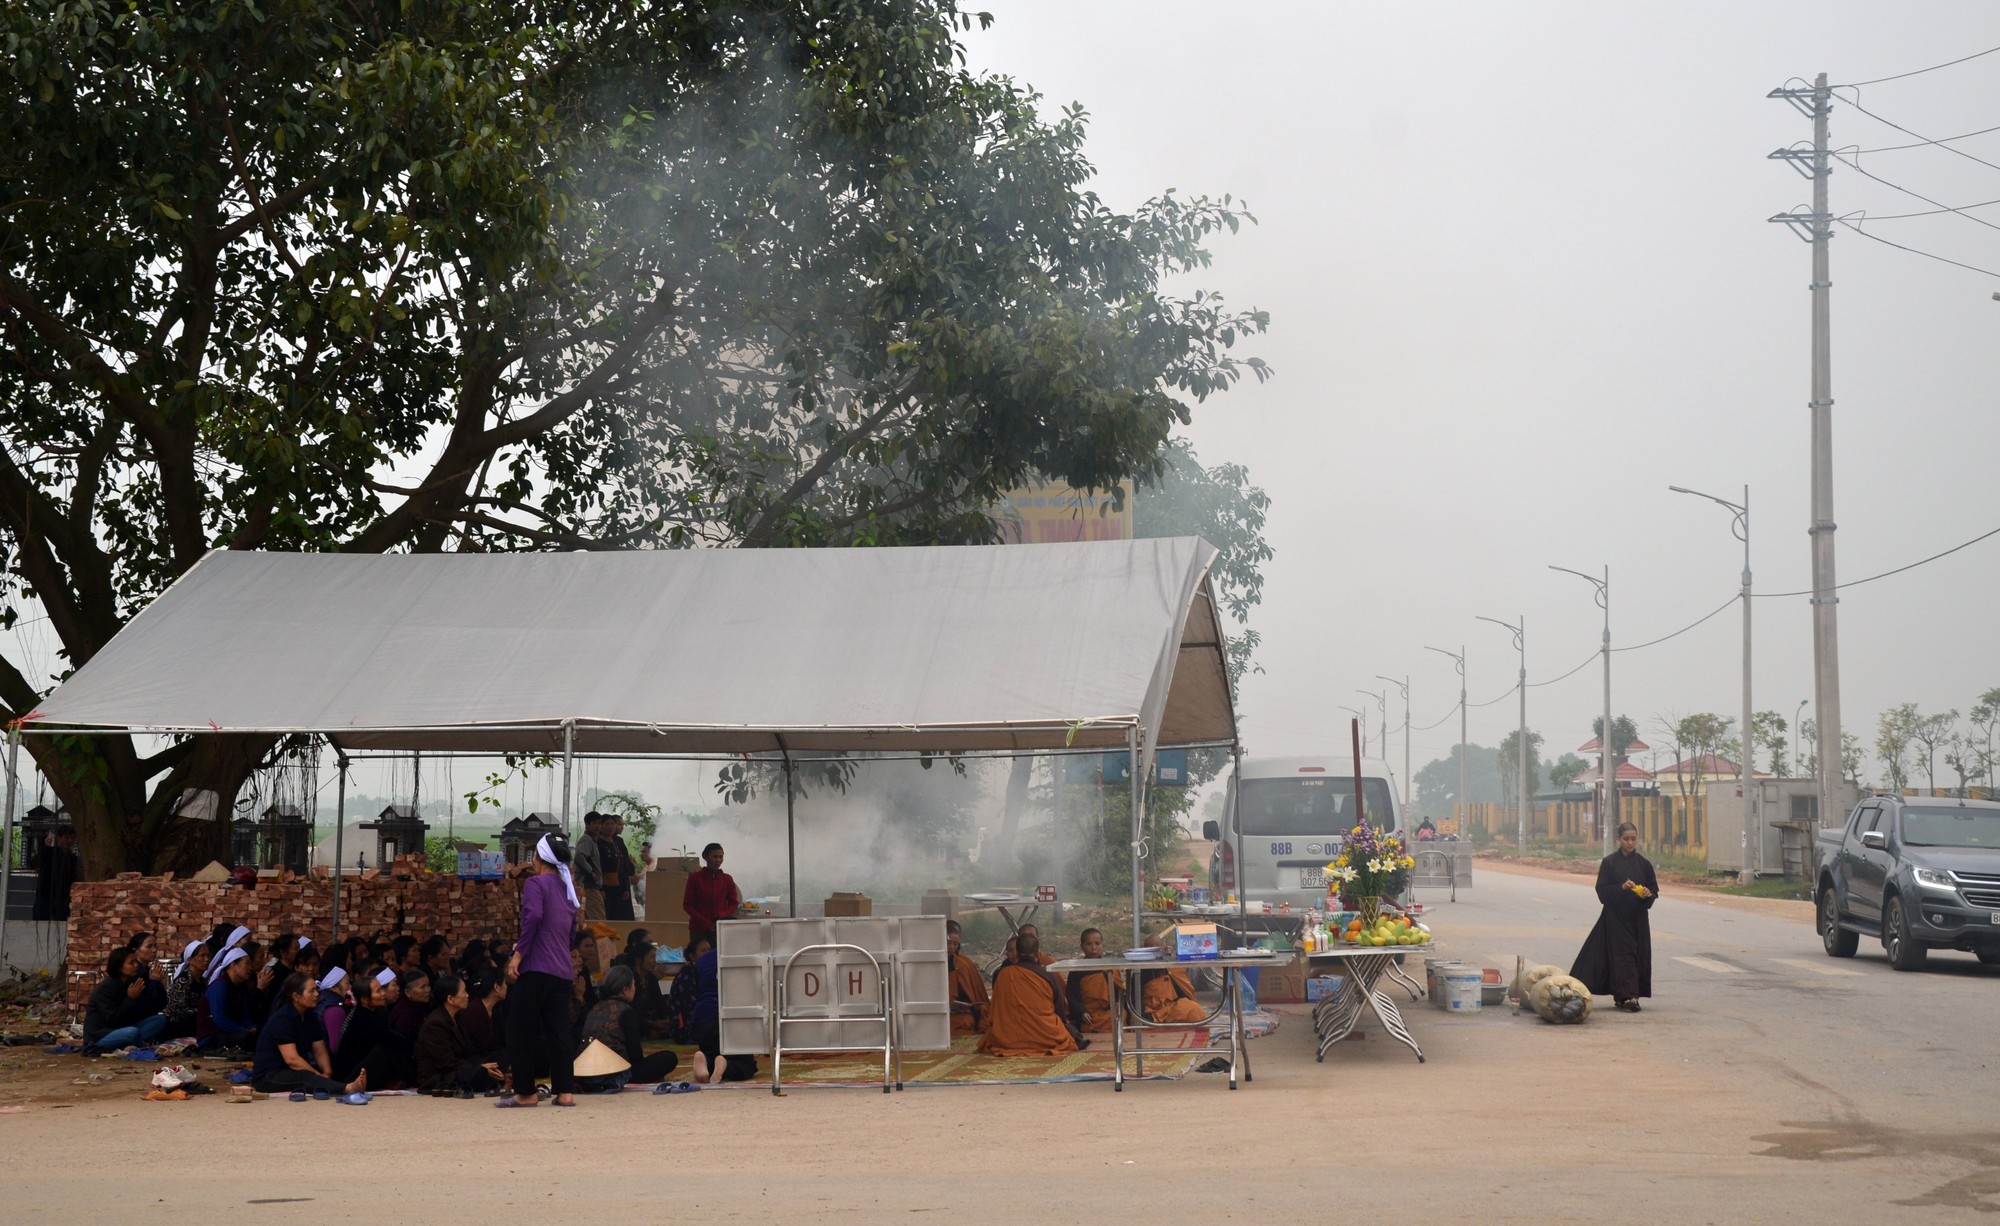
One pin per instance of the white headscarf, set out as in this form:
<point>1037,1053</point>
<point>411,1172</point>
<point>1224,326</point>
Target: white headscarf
<point>303,942</point>
<point>236,938</point>
<point>187,955</point>
<point>384,977</point>
<point>331,979</point>
<point>229,956</point>
<point>546,856</point>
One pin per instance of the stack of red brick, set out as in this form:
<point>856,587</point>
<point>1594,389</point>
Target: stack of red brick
<point>107,913</point>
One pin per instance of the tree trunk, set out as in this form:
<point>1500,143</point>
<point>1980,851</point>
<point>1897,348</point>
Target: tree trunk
<point>120,827</point>
<point>1010,816</point>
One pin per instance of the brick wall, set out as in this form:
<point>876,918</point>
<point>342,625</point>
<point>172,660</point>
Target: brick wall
<point>107,913</point>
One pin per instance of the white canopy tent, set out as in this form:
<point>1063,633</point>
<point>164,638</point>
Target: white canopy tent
<point>1103,644</point>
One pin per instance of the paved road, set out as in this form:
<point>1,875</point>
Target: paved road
<point>1764,1082</point>
<point>1880,1085</point>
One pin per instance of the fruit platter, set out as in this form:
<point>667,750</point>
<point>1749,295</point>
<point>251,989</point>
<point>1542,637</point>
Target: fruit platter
<point>1388,930</point>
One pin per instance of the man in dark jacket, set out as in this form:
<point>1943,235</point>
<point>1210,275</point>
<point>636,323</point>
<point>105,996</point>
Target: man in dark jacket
<point>55,874</point>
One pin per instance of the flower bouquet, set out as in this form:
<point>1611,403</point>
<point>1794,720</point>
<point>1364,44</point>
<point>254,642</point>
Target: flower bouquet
<point>1370,864</point>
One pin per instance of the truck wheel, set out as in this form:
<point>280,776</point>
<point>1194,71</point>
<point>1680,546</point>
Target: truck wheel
<point>1839,942</point>
<point>1905,953</point>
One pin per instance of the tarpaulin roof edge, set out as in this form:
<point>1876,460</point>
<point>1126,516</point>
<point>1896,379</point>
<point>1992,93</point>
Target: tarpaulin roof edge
<point>236,625</point>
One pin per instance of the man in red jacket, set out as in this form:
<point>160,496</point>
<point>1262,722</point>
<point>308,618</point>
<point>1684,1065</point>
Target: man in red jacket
<point>711,895</point>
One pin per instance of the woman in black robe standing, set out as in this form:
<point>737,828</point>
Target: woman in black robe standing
<point>1617,957</point>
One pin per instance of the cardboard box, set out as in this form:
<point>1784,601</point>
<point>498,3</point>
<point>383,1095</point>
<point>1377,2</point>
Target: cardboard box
<point>1196,941</point>
<point>940,902</point>
<point>843,903</point>
<point>1322,987</point>
<point>662,932</point>
<point>1282,982</point>
<point>665,888</point>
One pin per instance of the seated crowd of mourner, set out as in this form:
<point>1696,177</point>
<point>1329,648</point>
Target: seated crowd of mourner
<point>420,1013</point>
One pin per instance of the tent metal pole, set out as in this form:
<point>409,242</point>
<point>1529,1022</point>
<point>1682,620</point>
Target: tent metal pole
<point>791,837</point>
<point>1138,827</point>
<point>569,752</point>
<point>339,833</point>
<point>7,836</point>
<point>1236,827</point>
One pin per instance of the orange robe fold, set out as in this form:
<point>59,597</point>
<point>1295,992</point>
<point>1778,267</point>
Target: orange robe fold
<point>970,1006</point>
<point>1026,1020</point>
<point>1170,997</point>
<point>1090,999</point>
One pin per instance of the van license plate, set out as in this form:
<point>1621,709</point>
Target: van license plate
<point>1995,917</point>
<point>1315,879</point>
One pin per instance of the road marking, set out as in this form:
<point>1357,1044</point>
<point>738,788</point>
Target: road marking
<point>1543,901</point>
<point>1817,968</point>
<point>1709,964</point>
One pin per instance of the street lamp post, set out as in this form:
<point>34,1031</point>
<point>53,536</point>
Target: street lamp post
<point>1409,786</point>
<point>1740,527</point>
<point>1381,722</point>
<point>1607,763</point>
<point>1458,658</point>
<point>1520,632</point>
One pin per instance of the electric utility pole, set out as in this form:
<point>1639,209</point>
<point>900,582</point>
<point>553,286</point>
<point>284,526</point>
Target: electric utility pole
<point>1464,813</point>
<point>1409,785</point>
<point>1753,837</point>
<point>1816,228</point>
<point>1520,632</point>
<point>1607,760</point>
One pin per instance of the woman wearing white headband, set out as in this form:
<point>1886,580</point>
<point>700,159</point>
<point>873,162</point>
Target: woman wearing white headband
<point>184,990</point>
<point>538,1007</point>
<point>332,1006</point>
<point>222,1021</point>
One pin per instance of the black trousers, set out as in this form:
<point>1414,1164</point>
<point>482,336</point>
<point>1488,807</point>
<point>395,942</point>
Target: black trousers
<point>285,1080</point>
<point>708,1038</point>
<point>538,1032</point>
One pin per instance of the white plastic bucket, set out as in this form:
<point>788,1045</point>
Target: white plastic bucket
<point>1434,969</point>
<point>1461,990</point>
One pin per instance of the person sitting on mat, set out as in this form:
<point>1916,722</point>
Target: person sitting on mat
<point>1168,995</point>
<point>1028,1008</point>
<point>969,1000</point>
<point>614,1021</point>
<point>291,1049</point>
<point>446,1062</point>
<point>705,1021</point>
<point>1090,992</point>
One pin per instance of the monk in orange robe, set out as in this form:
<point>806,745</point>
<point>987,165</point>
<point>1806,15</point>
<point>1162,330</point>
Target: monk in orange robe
<point>1090,992</point>
<point>969,1002</point>
<point>1029,930</point>
<point>1028,1010</point>
<point>1168,996</point>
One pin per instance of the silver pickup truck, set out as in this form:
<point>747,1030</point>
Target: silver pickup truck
<point>1919,872</point>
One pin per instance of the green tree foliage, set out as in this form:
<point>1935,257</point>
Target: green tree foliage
<point>1895,742</point>
<point>1507,760</point>
<point>1850,752</point>
<point>1768,728</point>
<point>484,276</point>
<point>1565,770</point>
<point>1694,738</point>
<point>1221,506</point>
<point>1437,781</point>
<point>642,818</point>
<point>1623,733</point>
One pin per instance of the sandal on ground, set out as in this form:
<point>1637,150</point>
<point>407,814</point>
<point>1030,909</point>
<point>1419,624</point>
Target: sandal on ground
<point>515,1102</point>
<point>360,1098</point>
<point>1629,1006</point>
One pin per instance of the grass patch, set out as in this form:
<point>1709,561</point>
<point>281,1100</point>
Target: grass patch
<point>1765,887</point>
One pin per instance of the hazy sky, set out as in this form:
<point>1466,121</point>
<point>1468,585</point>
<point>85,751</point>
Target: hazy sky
<point>1520,281</point>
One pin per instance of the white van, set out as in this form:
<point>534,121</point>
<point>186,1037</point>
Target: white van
<point>1295,814</point>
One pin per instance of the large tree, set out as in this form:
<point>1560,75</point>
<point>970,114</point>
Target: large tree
<point>478,276</point>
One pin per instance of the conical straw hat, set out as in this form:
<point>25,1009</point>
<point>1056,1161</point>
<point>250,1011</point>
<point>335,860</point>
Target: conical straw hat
<point>597,1060</point>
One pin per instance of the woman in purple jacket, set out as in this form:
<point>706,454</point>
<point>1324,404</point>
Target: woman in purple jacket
<point>538,1005</point>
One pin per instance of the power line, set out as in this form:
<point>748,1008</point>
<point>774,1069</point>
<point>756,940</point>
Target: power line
<point>1922,141</point>
<point>1925,139</point>
<point>1913,251</point>
<point>1899,570</point>
<point>1566,676</point>
<point>1856,168</point>
<point>1683,630</point>
<point>1921,71</point>
<point>1983,204</point>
